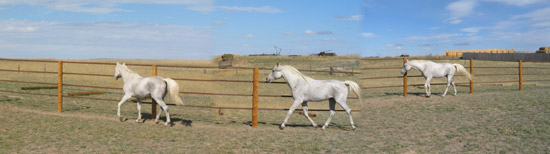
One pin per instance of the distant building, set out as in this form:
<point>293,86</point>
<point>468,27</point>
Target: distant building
<point>458,53</point>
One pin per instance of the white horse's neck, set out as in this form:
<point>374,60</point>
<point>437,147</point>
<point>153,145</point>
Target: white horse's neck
<point>417,65</point>
<point>128,75</point>
<point>293,79</point>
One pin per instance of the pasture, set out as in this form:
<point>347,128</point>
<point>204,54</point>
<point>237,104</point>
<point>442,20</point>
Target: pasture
<point>496,118</point>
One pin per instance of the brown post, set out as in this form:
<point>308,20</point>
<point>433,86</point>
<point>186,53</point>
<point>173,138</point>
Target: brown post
<point>59,86</point>
<point>404,79</point>
<point>255,98</point>
<point>472,73</point>
<point>520,76</point>
<point>154,103</point>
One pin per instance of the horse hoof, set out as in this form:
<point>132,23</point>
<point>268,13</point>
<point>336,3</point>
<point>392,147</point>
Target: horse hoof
<point>137,120</point>
<point>354,128</point>
<point>315,127</point>
<point>282,127</point>
<point>156,122</point>
<point>121,119</point>
<point>323,128</point>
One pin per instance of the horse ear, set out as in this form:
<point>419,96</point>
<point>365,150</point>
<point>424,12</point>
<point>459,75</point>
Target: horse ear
<point>117,63</point>
<point>278,64</point>
<point>123,64</point>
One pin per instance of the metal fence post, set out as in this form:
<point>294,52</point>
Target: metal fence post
<point>472,75</point>
<point>404,79</point>
<point>255,98</point>
<point>154,103</point>
<point>520,76</point>
<point>59,86</point>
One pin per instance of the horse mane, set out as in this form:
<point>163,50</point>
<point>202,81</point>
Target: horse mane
<point>128,70</point>
<point>294,71</point>
<point>421,61</point>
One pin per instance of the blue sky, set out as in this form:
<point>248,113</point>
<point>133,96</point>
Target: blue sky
<point>204,28</point>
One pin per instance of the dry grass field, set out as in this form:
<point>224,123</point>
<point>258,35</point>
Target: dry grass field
<point>496,119</point>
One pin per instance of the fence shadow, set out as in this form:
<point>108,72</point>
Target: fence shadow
<point>415,94</point>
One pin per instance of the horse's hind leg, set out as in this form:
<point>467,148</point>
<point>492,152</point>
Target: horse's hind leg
<point>348,110</point>
<point>158,115</point>
<point>454,86</point>
<point>165,108</point>
<point>292,108</point>
<point>449,80</point>
<point>332,106</point>
<point>139,109</point>
<point>124,99</point>
<point>304,107</point>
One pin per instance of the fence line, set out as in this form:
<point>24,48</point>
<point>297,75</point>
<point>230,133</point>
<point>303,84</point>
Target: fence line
<point>60,84</point>
<point>471,68</point>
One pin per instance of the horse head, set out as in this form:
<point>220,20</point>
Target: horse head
<point>275,73</point>
<point>118,73</point>
<point>406,67</point>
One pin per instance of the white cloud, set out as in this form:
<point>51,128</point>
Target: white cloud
<point>249,36</point>
<point>517,2</point>
<point>102,40</point>
<point>309,33</point>
<point>218,23</point>
<point>264,9</point>
<point>539,17</point>
<point>439,36</point>
<point>352,18</point>
<point>459,9</point>
<point>397,46</point>
<point>367,35</point>
<point>288,34</point>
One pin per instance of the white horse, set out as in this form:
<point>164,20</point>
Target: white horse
<point>431,70</point>
<point>306,89</point>
<point>143,87</point>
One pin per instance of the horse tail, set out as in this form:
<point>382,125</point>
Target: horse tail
<point>460,68</point>
<point>173,90</point>
<point>354,87</point>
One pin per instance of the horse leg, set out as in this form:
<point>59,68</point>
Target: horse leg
<point>332,104</point>
<point>139,109</point>
<point>427,86</point>
<point>348,110</point>
<point>304,107</point>
<point>292,108</point>
<point>449,80</point>
<point>158,115</point>
<point>163,105</point>
<point>124,99</point>
<point>454,86</point>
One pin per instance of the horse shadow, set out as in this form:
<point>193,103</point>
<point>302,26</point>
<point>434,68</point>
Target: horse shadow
<point>413,93</point>
<point>183,122</point>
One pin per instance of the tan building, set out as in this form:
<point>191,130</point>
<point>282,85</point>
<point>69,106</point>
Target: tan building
<point>458,53</point>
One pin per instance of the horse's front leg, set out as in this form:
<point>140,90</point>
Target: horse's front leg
<point>139,109</point>
<point>427,86</point>
<point>124,99</point>
<point>292,108</point>
<point>305,108</point>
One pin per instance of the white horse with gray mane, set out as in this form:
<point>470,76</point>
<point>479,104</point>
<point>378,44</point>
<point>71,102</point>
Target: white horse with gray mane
<point>144,87</point>
<point>306,89</point>
<point>431,70</point>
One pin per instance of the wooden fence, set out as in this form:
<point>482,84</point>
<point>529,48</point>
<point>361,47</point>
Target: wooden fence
<point>60,73</point>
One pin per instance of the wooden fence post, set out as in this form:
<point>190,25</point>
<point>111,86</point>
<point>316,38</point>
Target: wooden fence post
<point>472,73</point>
<point>520,76</point>
<point>59,86</point>
<point>153,102</point>
<point>255,98</point>
<point>404,79</point>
